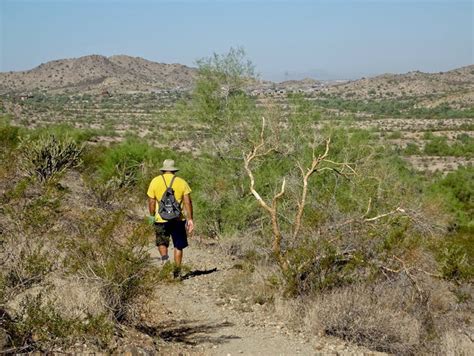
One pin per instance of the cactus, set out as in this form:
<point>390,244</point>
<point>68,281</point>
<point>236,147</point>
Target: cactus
<point>48,156</point>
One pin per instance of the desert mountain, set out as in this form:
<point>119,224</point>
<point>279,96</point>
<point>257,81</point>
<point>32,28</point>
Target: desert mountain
<point>122,74</point>
<point>98,73</point>
<point>458,83</point>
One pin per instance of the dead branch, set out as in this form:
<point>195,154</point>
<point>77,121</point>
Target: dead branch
<point>363,218</point>
<point>273,209</point>
<point>369,206</point>
<point>409,275</point>
<point>397,210</point>
<point>307,174</point>
<point>314,164</point>
<point>407,271</point>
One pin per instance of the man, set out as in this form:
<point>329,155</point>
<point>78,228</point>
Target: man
<point>176,228</point>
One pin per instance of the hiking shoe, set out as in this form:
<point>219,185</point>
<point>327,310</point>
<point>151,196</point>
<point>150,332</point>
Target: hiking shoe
<point>164,259</point>
<point>177,273</point>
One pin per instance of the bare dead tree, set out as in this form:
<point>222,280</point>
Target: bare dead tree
<point>259,150</point>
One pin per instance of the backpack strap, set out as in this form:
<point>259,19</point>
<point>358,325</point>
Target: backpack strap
<point>172,180</point>
<point>171,183</point>
<point>164,181</point>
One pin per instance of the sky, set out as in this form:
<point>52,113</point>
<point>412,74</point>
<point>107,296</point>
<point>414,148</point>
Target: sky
<point>322,39</point>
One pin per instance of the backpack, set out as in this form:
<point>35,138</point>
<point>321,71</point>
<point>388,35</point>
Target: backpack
<point>168,207</point>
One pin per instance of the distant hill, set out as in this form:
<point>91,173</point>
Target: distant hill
<point>457,85</point>
<point>124,74</point>
<point>98,73</point>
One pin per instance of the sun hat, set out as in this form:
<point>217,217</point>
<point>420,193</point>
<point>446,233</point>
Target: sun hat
<point>168,166</point>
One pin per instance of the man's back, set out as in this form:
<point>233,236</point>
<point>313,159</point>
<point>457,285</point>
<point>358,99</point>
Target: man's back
<point>157,188</point>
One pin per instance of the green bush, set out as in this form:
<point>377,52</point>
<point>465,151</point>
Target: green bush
<point>457,191</point>
<point>65,131</point>
<point>124,164</point>
<point>455,263</point>
<point>9,137</point>
<point>439,146</point>
<point>411,149</point>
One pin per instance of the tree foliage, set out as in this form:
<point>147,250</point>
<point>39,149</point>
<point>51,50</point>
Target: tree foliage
<point>220,83</point>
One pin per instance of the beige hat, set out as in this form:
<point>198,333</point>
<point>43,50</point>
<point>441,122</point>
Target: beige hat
<point>168,166</point>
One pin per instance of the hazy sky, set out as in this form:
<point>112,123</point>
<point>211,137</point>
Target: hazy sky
<point>325,39</point>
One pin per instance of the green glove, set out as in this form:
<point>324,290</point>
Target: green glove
<point>151,219</point>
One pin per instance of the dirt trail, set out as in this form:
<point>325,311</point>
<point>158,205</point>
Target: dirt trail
<point>195,318</point>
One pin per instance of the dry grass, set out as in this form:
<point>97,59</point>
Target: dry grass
<point>376,318</point>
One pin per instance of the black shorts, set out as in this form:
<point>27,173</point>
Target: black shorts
<point>174,228</point>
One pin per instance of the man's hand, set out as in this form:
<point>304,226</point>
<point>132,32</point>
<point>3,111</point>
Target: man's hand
<point>190,226</point>
<point>151,219</point>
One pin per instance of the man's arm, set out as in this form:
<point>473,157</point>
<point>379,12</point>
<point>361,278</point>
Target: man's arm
<point>152,206</point>
<point>188,208</point>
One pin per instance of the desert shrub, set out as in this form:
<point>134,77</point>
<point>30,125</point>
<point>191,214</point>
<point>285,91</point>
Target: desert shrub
<point>121,263</point>
<point>123,164</point>
<point>457,191</point>
<point>111,172</point>
<point>313,268</point>
<point>29,211</point>
<point>378,107</point>
<point>379,317</point>
<point>411,149</point>
<point>395,135</point>
<point>462,147</point>
<point>65,131</point>
<point>27,266</point>
<point>9,135</point>
<point>42,211</point>
<point>39,326</point>
<point>49,156</point>
<point>454,262</point>
<point>302,110</point>
<point>443,111</point>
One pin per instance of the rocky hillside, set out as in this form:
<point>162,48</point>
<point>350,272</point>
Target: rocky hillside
<point>457,84</point>
<point>98,73</point>
<point>125,74</point>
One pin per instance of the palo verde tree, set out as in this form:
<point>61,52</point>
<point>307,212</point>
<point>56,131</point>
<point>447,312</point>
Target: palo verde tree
<point>337,207</point>
<point>219,92</point>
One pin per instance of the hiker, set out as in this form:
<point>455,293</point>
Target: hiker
<point>169,220</point>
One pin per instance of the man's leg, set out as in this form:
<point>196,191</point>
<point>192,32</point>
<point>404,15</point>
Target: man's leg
<point>180,241</point>
<point>178,256</point>
<point>162,241</point>
<point>163,252</point>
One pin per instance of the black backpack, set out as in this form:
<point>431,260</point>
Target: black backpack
<point>168,207</point>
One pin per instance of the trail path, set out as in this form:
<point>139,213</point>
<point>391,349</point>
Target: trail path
<point>196,319</point>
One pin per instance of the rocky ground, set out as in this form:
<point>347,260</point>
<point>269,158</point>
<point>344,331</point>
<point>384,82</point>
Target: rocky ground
<point>195,318</point>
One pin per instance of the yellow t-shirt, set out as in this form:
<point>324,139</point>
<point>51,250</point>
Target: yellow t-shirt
<point>157,188</point>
